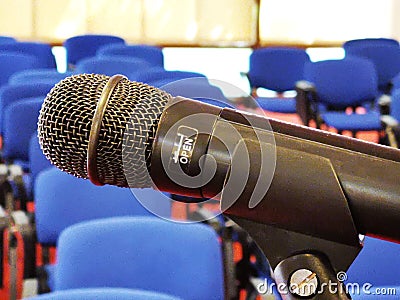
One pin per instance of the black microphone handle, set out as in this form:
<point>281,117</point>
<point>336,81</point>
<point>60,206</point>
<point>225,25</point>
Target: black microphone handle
<point>315,171</point>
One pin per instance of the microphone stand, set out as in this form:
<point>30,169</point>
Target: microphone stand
<point>309,238</point>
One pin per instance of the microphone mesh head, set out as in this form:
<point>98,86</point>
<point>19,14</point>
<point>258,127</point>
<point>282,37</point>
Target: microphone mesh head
<point>66,118</point>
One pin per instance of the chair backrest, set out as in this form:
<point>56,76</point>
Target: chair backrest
<point>157,74</point>
<point>386,59</point>
<point>111,65</point>
<point>183,260</point>
<point>37,160</point>
<point>277,68</point>
<point>62,200</point>
<point>342,83</point>
<point>369,42</point>
<point>377,264</point>
<point>196,88</point>
<point>7,39</point>
<point>395,104</point>
<point>12,93</point>
<point>83,46</point>
<point>41,51</point>
<point>50,76</point>
<point>103,294</point>
<point>151,54</point>
<point>20,122</point>
<point>12,62</point>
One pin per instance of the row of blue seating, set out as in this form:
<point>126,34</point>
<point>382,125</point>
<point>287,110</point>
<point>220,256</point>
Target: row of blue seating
<point>174,88</point>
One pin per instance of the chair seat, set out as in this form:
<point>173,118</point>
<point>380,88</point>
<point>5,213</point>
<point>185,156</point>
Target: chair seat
<point>282,105</point>
<point>50,270</point>
<point>354,122</point>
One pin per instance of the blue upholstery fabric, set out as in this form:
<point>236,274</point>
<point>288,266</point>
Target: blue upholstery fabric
<point>277,68</point>
<point>183,260</point>
<point>151,54</point>
<point>7,39</point>
<point>357,43</point>
<point>104,294</point>
<point>112,65</point>
<point>62,200</point>
<point>354,122</point>
<point>386,59</point>
<point>37,161</point>
<point>11,62</point>
<point>49,76</point>
<point>13,93</point>
<point>342,83</point>
<point>395,105</point>
<point>282,105</point>
<point>157,74</point>
<point>83,46</point>
<point>20,122</point>
<point>376,264</point>
<point>41,51</point>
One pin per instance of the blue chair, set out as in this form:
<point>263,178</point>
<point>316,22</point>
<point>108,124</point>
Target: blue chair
<point>41,51</point>
<point>340,84</point>
<point>83,46</point>
<point>12,93</point>
<point>357,43</point>
<point>377,264</point>
<point>37,161</point>
<point>151,54</point>
<point>158,75</point>
<point>276,69</point>
<point>111,65</point>
<point>62,200</point>
<point>182,260</point>
<point>396,82</point>
<point>386,59</point>
<point>20,122</point>
<point>50,76</point>
<point>196,88</point>
<point>11,63</point>
<point>7,39</point>
<point>103,294</point>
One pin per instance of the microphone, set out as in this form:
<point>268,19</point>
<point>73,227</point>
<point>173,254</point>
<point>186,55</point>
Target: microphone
<point>129,134</point>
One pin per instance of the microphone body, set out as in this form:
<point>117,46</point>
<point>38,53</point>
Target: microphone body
<point>269,172</point>
<point>317,174</point>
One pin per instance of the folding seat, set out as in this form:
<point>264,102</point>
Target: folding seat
<point>83,46</point>
<point>376,265</point>
<point>276,69</point>
<point>7,39</point>
<point>34,76</point>
<point>62,200</point>
<point>359,43</point>
<point>20,122</point>
<point>41,51</point>
<point>11,62</point>
<point>386,59</point>
<point>161,76</point>
<point>334,86</point>
<point>182,260</point>
<point>151,54</point>
<point>12,93</point>
<point>111,65</point>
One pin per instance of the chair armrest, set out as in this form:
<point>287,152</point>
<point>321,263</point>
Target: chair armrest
<point>305,97</point>
<point>305,85</point>
<point>384,104</point>
<point>389,121</point>
<point>244,74</point>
